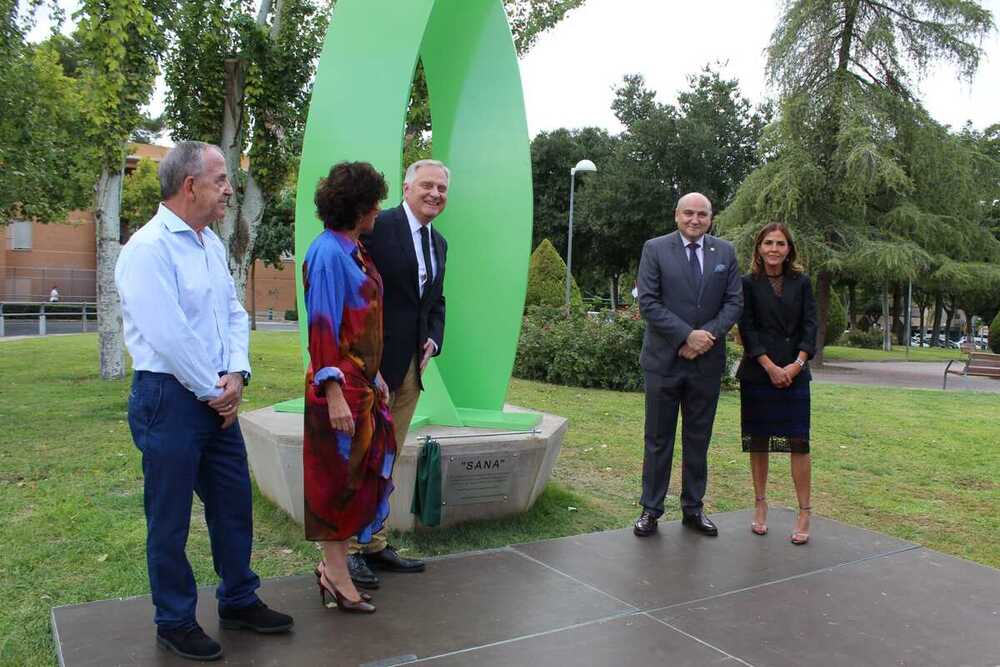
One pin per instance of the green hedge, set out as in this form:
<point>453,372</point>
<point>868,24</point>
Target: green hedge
<point>836,320</point>
<point>547,279</point>
<point>869,340</point>
<point>995,335</point>
<point>583,351</point>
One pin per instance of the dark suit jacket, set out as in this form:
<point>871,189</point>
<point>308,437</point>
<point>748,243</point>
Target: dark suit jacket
<point>408,319</point>
<point>776,327</point>
<point>673,306</point>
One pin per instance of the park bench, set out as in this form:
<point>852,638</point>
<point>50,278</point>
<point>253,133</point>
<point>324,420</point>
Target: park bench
<point>982,364</point>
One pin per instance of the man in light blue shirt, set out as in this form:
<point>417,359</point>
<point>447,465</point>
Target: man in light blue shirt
<point>188,336</point>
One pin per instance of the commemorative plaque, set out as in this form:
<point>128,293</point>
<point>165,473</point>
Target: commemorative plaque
<point>479,478</point>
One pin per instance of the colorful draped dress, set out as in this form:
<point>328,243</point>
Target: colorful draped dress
<point>347,481</point>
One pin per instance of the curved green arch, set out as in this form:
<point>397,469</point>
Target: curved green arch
<point>358,112</point>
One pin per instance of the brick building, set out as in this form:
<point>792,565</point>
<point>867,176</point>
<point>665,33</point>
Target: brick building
<point>37,257</point>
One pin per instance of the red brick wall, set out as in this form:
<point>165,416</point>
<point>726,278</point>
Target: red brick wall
<point>275,289</point>
<point>61,254</point>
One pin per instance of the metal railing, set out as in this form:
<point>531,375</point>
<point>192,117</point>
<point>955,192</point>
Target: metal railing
<point>26,310</point>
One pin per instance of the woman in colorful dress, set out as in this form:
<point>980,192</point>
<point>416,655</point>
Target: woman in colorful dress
<point>778,329</point>
<point>348,449</point>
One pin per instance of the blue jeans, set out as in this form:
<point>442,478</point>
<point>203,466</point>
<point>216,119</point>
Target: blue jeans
<point>184,451</point>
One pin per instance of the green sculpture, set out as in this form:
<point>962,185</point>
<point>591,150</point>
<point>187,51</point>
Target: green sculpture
<point>358,112</point>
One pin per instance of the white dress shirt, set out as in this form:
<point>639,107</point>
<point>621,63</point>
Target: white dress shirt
<point>418,248</point>
<point>179,305</point>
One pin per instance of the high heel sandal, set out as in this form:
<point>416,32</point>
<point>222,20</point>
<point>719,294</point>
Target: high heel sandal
<point>319,580</point>
<point>759,528</point>
<point>341,602</point>
<point>800,537</point>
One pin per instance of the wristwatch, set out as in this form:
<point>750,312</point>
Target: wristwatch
<point>246,378</point>
<point>800,363</point>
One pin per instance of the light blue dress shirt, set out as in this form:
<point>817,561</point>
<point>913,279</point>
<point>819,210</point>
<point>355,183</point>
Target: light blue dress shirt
<point>179,305</point>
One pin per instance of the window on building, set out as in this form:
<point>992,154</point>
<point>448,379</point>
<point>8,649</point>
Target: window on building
<point>19,235</point>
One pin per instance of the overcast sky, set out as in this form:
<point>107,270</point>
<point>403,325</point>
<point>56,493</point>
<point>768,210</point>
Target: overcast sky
<point>570,74</point>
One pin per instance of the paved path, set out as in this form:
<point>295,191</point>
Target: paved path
<point>908,374</point>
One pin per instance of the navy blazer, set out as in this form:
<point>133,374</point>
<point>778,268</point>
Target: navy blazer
<point>673,305</point>
<point>408,319</point>
<point>777,327</point>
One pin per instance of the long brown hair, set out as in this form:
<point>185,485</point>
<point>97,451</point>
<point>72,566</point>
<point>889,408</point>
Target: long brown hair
<point>791,267</point>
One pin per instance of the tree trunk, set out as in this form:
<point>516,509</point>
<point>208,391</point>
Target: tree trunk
<point>936,326</point>
<point>613,284</point>
<point>898,306</point>
<point>109,313</point>
<point>922,325</point>
<point>852,316</point>
<point>823,282</point>
<point>950,315</point>
<point>238,230</point>
<point>253,296</point>
<point>886,322</point>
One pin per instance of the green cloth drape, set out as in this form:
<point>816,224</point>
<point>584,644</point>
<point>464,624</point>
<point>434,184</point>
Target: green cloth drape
<point>427,490</point>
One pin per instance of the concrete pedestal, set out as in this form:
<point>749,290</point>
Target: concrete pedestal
<point>485,473</point>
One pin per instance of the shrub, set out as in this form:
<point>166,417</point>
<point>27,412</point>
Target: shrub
<point>584,351</point>
<point>547,279</point>
<point>995,334</point>
<point>836,320</point>
<point>871,339</point>
<point>292,315</point>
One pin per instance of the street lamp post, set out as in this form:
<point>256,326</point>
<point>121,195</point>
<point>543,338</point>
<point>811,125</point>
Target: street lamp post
<point>582,165</point>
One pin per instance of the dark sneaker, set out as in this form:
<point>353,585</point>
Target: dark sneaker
<point>191,643</point>
<point>257,617</point>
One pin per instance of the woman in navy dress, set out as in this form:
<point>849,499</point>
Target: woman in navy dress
<point>778,330</point>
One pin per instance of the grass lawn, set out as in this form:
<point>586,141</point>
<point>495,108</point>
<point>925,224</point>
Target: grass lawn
<point>898,353</point>
<point>919,465</point>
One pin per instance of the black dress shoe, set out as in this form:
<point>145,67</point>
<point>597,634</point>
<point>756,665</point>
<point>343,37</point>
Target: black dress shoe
<point>389,559</point>
<point>191,643</point>
<point>701,523</point>
<point>645,525</point>
<point>257,617</point>
<point>361,574</point>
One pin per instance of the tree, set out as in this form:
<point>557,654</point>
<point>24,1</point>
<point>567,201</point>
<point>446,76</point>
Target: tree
<point>140,194</point>
<point>149,129</point>
<point>243,82</point>
<point>708,143</point>
<point>121,41</point>
<point>528,20</point>
<point>547,279</point>
<point>846,167</point>
<point>46,163</point>
<point>553,154</point>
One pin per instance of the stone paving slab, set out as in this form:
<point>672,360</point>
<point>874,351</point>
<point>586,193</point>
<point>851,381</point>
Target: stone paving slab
<point>849,597</point>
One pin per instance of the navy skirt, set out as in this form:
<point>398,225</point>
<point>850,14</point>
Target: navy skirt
<point>774,420</point>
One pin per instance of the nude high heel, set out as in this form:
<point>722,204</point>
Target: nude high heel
<point>801,537</point>
<point>759,528</point>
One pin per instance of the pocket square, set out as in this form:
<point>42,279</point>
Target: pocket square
<point>719,268</point>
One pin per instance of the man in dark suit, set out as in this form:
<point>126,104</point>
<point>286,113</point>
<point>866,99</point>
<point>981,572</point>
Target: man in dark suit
<point>690,295</point>
<point>410,255</point>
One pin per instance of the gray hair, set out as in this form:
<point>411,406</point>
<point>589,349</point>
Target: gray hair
<point>411,171</point>
<point>183,160</point>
